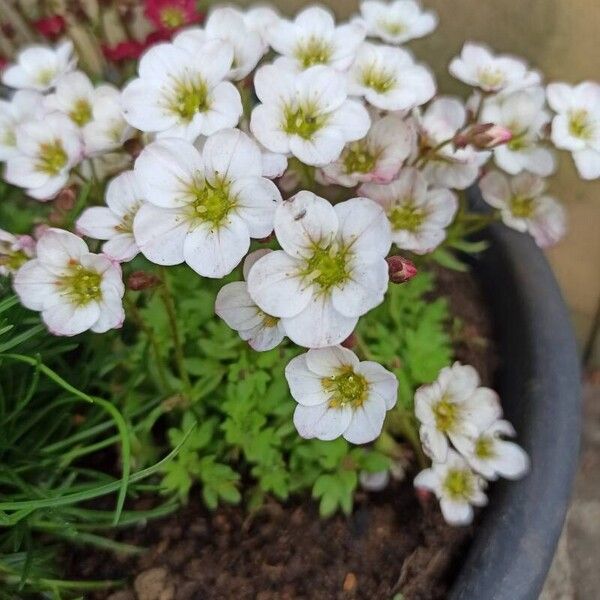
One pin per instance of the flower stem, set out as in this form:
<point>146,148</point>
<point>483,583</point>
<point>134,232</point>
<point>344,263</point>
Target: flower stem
<point>166,295</point>
<point>402,422</point>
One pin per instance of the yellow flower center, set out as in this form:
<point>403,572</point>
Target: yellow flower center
<point>522,208</point>
<point>314,51</point>
<point>81,112</point>
<point>347,388</point>
<point>446,414</point>
<point>579,125</point>
<point>358,158</point>
<point>45,76</point>
<point>379,80</point>
<point>407,216</point>
<point>484,447</point>
<point>52,158</point>
<point>327,267</point>
<point>212,203</point>
<point>303,121</point>
<point>172,17</point>
<point>268,320</point>
<point>491,78</point>
<point>12,259</point>
<point>392,27</point>
<point>189,98</point>
<point>81,285</point>
<point>459,484</point>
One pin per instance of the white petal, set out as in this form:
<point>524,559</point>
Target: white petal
<point>495,189</point>
<point>325,362</point>
<point>266,337</point>
<point>321,422</point>
<point>320,149</point>
<point>587,163</point>
<point>98,222</point>
<point>68,319</point>
<point>382,383</point>
<point>123,193</point>
<point>234,305</point>
<point>305,386</point>
<point>160,234</point>
<point>256,201</point>
<point>435,443</point>
<point>319,324</point>
<point>225,109</point>
<point>367,421</point>
<point>121,248</point>
<point>427,479</point>
<point>265,124</point>
<point>143,106</point>
<point>456,513</point>
<point>112,314</point>
<point>252,258</point>
<point>229,155</point>
<point>352,118</point>
<point>483,408</point>
<point>274,285</point>
<point>274,86</point>
<point>57,247</point>
<point>216,251</point>
<point>34,285</point>
<point>512,461</point>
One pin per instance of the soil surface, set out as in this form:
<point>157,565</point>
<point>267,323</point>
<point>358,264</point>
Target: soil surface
<point>395,546</point>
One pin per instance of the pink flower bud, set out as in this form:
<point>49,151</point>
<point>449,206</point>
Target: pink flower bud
<point>140,280</point>
<point>66,198</point>
<point>423,495</point>
<point>349,342</point>
<point>483,136</point>
<point>400,269</point>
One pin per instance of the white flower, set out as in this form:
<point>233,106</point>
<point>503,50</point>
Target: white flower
<point>261,19</point>
<point>457,488</point>
<point>23,106</point>
<point>338,395</point>
<point>331,270</point>
<point>453,408</point>
<point>307,113</point>
<point>177,95</point>
<point>114,222</point>
<point>376,157</point>
<point>48,148</point>
<point>40,67</point>
<point>108,130</point>
<point>14,251</point>
<point>477,66</point>
<point>397,22</point>
<point>448,166</point>
<point>235,306</point>
<point>418,215</point>
<point>493,457</point>
<point>523,114</point>
<point>524,206</point>
<point>228,26</point>
<point>313,39</point>
<point>389,78</point>
<point>74,289</point>
<point>576,127</point>
<point>203,208</point>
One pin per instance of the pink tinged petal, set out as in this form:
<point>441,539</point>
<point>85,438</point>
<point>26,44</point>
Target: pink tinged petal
<point>265,124</point>
<point>435,443</point>
<point>364,291</point>
<point>112,314</point>
<point>160,234</point>
<point>511,460</point>
<point>364,227</point>
<point>305,385</point>
<point>257,198</point>
<point>123,193</point>
<point>225,109</point>
<point>252,258</point>
<point>56,248</point>
<point>229,155</point>
<point>166,169</point>
<point>319,324</point>
<point>495,189</point>
<point>234,305</point>
<point>367,421</point>
<point>352,118</point>
<point>34,285</point>
<point>215,251</point>
<point>98,222</point>
<point>325,362</point>
<point>121,248</point>
<point>274,284</point>
<point>456,513</point>
<point>321,422</point>
<point>587,163</point>
<point>64,318</point>
<point>303,222</point>
<point>323,147</point>
<point>144,107</point>
<point>382,383</point>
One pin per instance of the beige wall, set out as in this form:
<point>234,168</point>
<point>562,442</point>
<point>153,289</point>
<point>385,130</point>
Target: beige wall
<point>562,38</point>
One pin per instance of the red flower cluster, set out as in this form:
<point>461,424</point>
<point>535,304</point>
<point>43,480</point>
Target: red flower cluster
<point>50,27</point>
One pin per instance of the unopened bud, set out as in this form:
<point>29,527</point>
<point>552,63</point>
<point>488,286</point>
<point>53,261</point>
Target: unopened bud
<point>140,280</point>
<point>400,269</point>
<point>424,496</point>
<point>267,239</point>
<point>349,342</point>
<point>66,198</point>
<point>133,147</point>
<point>483,136</point>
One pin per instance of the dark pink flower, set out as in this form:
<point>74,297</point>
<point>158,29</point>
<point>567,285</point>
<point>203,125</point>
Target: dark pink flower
<point>172,14</point>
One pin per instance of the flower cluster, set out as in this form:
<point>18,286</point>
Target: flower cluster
<point>455,410</point>
<point>328,141</point>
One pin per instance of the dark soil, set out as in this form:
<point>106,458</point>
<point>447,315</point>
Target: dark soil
<point>393,543</point>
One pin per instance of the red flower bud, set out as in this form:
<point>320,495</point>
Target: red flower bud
<point>140,280</point>
<point>400,269</point>
<point>50,27</point>
<point>66,199</point>
<point>349,342</point>
<point>133,147</point>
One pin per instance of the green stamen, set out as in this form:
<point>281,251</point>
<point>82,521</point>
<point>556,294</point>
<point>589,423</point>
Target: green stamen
<point>491,77</point>
<point>579,125</point>
<point>81,113</point>
<point>212,203</point>
<point>314,52</point>
<point>378,80</point>
<point>358,158</point>
<point>446,414</point>
<point>522,208</point>
<point>172,17</point>
<point>484,447</point>
<point>82,285</point>
<point>189,98</point>
<point>327,267</point>
<point>268,320</point>
<point>392,27</point>
<point>303,121</point>
<point>52,158</point>
<point>348,388</point>
<point>459,484</point>
<point>407,217</point>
